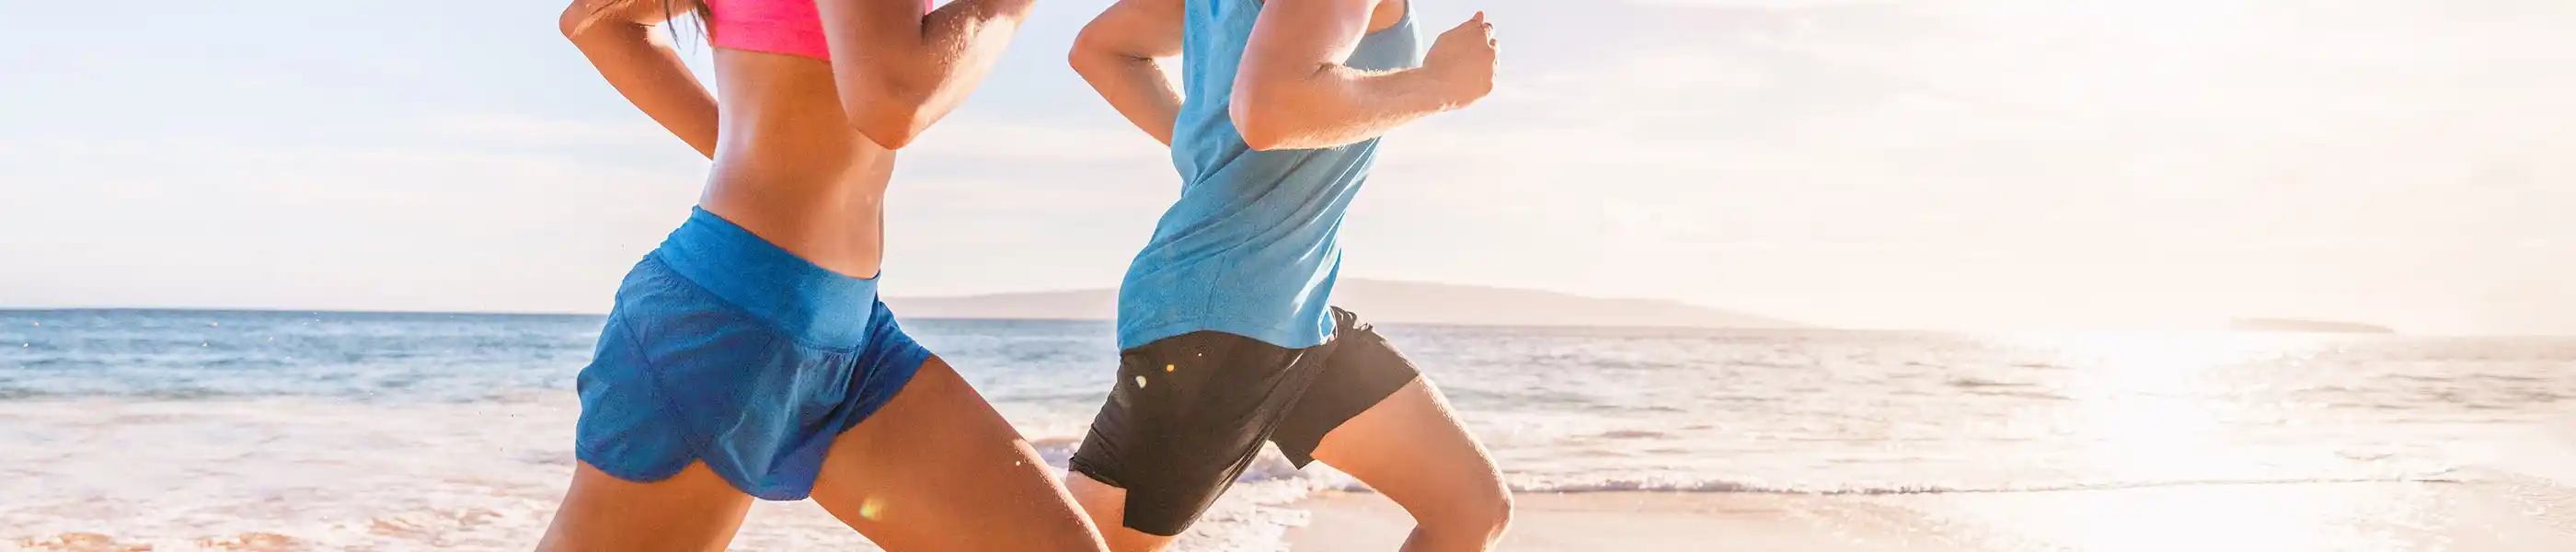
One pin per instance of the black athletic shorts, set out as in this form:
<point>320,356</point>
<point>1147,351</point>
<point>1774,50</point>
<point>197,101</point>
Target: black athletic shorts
<point>1190,411</point>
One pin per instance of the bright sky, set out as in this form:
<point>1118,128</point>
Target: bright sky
<point>1967,164</point>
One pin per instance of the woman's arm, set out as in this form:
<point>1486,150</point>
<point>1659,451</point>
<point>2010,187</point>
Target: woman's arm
<point>899,69</point>
<point>620,38</point>
<point>1117,54</point>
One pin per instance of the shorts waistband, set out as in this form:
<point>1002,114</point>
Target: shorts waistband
<point>792,294</point>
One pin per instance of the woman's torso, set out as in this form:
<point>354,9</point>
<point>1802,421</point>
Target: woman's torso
<point>788,167</point>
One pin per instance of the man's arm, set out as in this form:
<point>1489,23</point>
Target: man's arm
<point>899,69</point>
<point>619,38</point>
<point>1119,53</point>
<point>1293,92</point>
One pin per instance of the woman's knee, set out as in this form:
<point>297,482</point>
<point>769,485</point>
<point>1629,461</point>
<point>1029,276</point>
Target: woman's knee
<point>692,510</point>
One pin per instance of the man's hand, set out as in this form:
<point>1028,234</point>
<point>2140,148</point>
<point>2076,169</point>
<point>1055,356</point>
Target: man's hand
<point>1464,57</point>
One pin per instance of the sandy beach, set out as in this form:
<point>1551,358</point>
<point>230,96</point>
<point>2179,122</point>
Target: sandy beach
<point>2290,517</point>
<point>1601,521</point>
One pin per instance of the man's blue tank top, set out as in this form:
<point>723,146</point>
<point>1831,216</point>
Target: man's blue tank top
<point>1251,247</point>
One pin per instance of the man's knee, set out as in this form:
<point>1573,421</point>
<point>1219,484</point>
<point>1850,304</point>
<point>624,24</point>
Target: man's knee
<point>1483,515</point>
<point>1497,510</point>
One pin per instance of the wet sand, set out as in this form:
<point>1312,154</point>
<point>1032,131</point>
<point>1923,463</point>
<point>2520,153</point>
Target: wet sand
<point>2501,517</point>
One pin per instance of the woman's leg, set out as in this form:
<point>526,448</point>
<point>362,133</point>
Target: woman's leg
<point>692,511</point>
<point>938,469</point>
<point>1411,448</point>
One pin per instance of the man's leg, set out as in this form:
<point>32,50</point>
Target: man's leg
<point>1372,415</point>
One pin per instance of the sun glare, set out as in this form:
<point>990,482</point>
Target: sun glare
<point>2150,411</point>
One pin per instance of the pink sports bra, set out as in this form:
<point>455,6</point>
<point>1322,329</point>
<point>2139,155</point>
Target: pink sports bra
<point>775,26</point>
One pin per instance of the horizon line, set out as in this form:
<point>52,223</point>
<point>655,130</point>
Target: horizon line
<point>1858,329</point>
<point>6,307</point>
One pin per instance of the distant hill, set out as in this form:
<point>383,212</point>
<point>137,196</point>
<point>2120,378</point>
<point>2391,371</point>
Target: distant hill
<point>1377,301</point>
<point>2304,326</point>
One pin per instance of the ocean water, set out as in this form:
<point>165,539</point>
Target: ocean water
<point>187,430</point>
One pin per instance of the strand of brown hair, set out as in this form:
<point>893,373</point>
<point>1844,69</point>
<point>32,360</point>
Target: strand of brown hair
<point>695,7</point>
<point>671,10</point>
